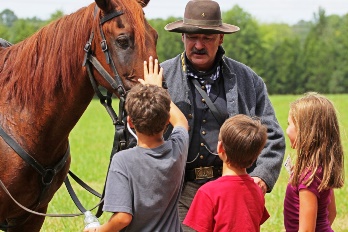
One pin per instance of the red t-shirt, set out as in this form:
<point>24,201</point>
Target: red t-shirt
<point>230,203</point>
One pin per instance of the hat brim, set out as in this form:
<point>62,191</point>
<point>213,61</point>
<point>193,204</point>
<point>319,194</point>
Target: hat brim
<point>180,27</point>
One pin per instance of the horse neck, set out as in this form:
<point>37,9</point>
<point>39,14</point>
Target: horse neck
<point>55,89</point>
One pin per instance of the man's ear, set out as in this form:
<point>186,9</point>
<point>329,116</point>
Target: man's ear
<point>129,121</point>
<point>221,40</point>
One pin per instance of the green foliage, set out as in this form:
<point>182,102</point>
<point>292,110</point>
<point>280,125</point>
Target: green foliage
<point>169,44</point>
<point>245,45</point>
<point>292,59</point>
<point>7,17</point>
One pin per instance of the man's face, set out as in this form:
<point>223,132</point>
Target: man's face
<point>201,49</point>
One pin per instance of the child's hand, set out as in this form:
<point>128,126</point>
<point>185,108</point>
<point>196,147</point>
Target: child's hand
<point>151,75</point>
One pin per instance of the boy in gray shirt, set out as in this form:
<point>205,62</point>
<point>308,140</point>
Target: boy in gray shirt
<point>144,182</point>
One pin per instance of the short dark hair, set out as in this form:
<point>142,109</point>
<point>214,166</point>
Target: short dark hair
<point>243,139</point>
<point>148,107</point>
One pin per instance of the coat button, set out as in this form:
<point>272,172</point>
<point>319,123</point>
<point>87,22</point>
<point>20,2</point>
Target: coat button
<point>203,100</point>
<point>203,132</point>
<point>201,156</point>
<point>202,144</point>
<point>190,116</point>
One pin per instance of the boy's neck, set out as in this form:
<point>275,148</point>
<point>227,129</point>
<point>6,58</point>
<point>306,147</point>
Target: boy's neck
<point>147,141</point>
<point>229,170</point>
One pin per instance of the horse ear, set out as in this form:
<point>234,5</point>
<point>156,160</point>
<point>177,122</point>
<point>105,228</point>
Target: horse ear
<point>105,5</point>
<point>143,3</point>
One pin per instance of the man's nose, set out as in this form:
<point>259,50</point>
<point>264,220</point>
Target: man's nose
<point>199,44</point>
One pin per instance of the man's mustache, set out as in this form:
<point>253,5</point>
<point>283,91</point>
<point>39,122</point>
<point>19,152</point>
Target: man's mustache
<point>199,52</point>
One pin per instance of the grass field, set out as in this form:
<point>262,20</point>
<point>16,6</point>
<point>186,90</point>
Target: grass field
<point>91,142</point>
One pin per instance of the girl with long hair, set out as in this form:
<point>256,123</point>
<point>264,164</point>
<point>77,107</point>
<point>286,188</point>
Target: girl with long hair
<point>314,133</point>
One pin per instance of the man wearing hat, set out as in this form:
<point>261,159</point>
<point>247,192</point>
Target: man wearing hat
<point>209,87</point>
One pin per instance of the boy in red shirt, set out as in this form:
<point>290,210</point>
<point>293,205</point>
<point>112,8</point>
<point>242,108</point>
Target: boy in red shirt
<point>232,202</point>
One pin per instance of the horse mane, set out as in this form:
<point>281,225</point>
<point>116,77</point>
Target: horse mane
<point>36,68</point>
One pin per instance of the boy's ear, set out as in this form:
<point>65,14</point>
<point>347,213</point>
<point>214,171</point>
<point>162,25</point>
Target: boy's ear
<point>220,147</point>
<point>129,121</point>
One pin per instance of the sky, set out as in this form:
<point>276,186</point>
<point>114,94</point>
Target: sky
<point>280,11</point>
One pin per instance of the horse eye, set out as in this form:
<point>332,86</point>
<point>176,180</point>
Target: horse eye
<point>122,41</point>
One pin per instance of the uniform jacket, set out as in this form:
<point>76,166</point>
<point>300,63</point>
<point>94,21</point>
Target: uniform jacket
<point>246,93</point>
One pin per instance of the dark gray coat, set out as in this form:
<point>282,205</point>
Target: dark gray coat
<point>246,93</point>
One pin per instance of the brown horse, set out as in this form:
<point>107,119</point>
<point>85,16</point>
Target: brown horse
<point>45,89</point>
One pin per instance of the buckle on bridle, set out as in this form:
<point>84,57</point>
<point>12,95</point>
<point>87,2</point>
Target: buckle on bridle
<point>104,45</point>
<point>121,91</point>
<point>204,173</point>
<point>48,176</point>
<point>87,47</point>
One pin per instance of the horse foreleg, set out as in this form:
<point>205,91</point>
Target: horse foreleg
<point>32,224</point>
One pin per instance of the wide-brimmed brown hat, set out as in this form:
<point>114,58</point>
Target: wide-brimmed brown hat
<point>202,17</point>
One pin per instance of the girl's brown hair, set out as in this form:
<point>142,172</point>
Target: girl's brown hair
<point>318,141</point>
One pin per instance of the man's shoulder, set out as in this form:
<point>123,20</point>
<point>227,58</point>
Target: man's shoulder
<point>236,65</point>
<point>171,61</point>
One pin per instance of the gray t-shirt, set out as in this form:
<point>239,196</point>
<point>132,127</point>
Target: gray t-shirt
<point>147,184</point>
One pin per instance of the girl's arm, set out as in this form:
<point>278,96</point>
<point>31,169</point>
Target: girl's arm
<point>308,210</point>
<point>332,208</point>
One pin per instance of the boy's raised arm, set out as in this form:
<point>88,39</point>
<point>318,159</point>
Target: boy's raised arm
<point>153,76</point>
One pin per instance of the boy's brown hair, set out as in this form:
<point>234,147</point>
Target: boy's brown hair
<point>243,139</point>
<point>148,107</point>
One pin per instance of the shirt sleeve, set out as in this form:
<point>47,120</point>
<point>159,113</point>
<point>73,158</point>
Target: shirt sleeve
<point>180,135</point>
<point>269,163</point>
<point>200,215</point>
<point>265,216</point>
<point>118,197</point>
<point>313,187</point>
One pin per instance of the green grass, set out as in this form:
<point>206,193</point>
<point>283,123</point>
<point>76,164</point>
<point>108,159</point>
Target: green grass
<point>91,143</point>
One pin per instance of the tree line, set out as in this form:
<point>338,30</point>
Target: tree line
<point>291,59</point>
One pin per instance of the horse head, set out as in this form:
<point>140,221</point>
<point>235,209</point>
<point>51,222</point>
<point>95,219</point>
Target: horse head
<point>124,39</point>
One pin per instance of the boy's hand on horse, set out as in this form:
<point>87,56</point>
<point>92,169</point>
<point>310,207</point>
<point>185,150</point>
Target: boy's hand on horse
<point>151,74</point>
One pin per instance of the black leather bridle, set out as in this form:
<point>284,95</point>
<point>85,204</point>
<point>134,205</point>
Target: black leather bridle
<point>115,82</point>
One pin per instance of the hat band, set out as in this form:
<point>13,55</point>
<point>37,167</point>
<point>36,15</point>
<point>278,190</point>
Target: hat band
<point>195,22</point>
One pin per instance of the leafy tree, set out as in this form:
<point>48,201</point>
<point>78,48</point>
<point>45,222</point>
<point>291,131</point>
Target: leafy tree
<point>7,17</point>
<point>169,44</point>
<point>324,57</point>
<point>56,15</point>
<point>246,44</point>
